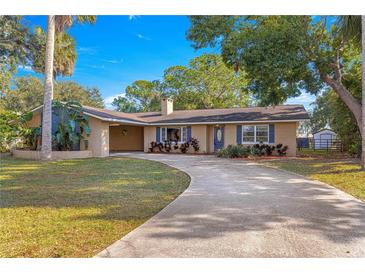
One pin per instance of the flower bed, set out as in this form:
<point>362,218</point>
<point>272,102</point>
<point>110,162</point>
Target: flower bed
<point>174,147</point>
<point>254,151</point>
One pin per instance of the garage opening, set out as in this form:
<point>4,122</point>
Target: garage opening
<point>125,138</point>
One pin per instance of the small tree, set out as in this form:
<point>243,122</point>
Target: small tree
<point>72,125</point>
<point>13,126</point>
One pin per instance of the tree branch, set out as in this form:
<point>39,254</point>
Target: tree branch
<point>350,101</point>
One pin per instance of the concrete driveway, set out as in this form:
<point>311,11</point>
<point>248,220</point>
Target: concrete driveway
<point>235,208</point>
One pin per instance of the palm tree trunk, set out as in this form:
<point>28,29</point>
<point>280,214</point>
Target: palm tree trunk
<point>363,91</point>
<point>46,151</point>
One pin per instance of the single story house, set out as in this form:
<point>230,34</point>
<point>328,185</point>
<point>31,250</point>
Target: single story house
<point>213,128</point>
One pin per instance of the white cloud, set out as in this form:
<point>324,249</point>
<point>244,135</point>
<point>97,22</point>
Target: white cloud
<point>305,99</point>
<point>141,36</point>
<point>114,61</point>
<point>87,50</point>
<point>96,66</point>
<point>25,68</point>
<point>109,100</point>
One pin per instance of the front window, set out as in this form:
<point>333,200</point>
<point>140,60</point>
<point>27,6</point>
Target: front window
<point>174,134</point>
<point>248,134</point>
<point>262,134</point>
<point>255,134</point>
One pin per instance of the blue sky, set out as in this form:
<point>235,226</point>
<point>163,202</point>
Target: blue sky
<point>119,50</point>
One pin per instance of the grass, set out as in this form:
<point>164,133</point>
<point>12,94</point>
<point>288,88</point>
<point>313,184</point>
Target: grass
<point>322,153</point>
<point>344,174</point>
<point>76,208</point>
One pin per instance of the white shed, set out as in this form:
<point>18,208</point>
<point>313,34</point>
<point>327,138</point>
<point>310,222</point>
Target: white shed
<point>324,138</point>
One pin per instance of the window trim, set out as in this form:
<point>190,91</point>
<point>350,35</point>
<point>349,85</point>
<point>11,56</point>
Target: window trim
<point>255,141</point>
<point>181,133</point>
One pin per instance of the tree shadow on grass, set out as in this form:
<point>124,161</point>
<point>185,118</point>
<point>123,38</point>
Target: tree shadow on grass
<point>225,197</point>
<point>229,197</point>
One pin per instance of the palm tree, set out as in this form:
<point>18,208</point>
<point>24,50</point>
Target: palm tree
<point>56,23</point>
<point>64,53</point>
<point>353,27</point>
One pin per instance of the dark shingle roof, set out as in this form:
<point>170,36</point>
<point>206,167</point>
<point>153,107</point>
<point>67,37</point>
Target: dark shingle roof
<point>259,114</point>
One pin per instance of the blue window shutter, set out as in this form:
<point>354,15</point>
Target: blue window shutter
<point>239,134</point>
<point>272,133</point>
<point>158,139</point>
<point>189,133</point>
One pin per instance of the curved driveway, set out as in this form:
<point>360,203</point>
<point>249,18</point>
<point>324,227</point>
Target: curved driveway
<point>236,208</point>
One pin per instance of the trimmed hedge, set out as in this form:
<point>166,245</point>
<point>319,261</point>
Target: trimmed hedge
<point>241,151</point>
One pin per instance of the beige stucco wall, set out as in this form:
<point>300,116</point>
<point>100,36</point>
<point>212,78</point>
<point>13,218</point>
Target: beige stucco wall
<point>132,140</point>
<point>285,133</point>
<point>149,136</point>
<point>99,138</point>
<point>200,132</point>
<point>230,135</point>
<point>35,121</point>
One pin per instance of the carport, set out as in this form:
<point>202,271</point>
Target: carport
<point>125,138</point>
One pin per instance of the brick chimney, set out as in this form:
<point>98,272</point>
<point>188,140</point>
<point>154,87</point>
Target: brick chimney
<point>167,106</point>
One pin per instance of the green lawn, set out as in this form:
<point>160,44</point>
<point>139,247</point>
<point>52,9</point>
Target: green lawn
<point>331,154</point>
<point>76,208</point>
<point>344,174</point>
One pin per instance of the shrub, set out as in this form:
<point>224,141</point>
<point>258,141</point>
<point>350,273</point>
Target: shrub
<point>71,126</point>
<point>239,151</point>
<point>354,150</point>
<point>13,128</point>
<point>156,146</point>
<point>281,149</point>
<point>32,138</point>
<point>168,146</point>
<point>234,151</point>
<point>256,150</point>
<point>195,144</point>
<point>184,147</point>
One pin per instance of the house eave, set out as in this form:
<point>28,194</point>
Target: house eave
<point>227,122</point>
<point>122,121</point>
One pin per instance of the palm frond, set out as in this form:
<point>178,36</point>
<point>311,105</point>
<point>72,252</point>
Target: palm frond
<point>350,27</point>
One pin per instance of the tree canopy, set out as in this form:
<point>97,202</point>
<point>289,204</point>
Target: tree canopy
<point>28,94</point>
<point>281,55</point>
<point>14,48</point>
<point>205,83</point>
